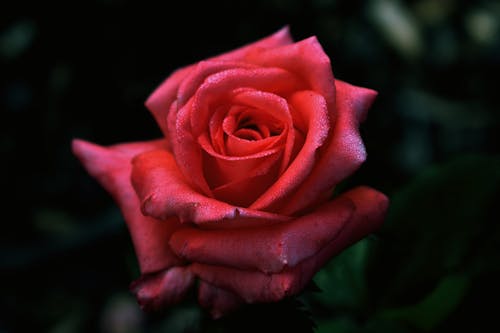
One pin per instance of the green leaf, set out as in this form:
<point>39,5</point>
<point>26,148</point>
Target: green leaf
<point>342,280</point>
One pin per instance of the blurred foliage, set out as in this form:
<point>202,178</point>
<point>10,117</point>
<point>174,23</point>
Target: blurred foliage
<point>84,70</point>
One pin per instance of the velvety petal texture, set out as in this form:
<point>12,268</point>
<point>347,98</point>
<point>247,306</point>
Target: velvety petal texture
<point>237,195</point>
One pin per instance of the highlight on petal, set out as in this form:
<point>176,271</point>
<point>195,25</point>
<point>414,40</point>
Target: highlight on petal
<point>269,248</point>
<point>255,286</point>
<point>111,166</point>
<point>345,151</point>
<point>219,302</point>
<point>164,288</point>
<point>164,193</point>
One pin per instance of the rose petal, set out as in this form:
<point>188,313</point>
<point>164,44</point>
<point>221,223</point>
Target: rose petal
<point>216,130</point>
<point>221,169</point>
<point>305,59</point>
<point>218,301</point>
<point>192,120</point>
<point>222,137</point>
<point>345,151</point>
<point>270,105</point>
<point>269,248</point>
<point>313,109</point>
<point>160,100</point>
<point>255,286</point>
<point>219,89</point>
<point>164,193</point>
<point>167,287</point>
<point>268,131</point>
<point>111,166</point>
<point>187,151</point>
<point>240,180</point>
<point>242,192</point>
<point>200,72</point>
<point>358,98</point>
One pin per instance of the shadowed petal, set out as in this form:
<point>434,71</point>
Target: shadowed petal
<point>167,287</point>
<point>219,302</point>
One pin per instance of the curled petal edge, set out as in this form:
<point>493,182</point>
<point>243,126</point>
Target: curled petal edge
<point>164,193</point>
<point>255,286</point>
<point>111,166</point>
<point>158,290</point>
<point>268,249</point>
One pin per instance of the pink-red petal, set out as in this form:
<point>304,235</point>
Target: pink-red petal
<point>111,166</point>
<point>313,109</point>
<point>219,88</point>
<point>342,154</point>
<point>158,290</point>
<point>269,248</point>
<point>164,192</point>
<point>160,100</point>
<point>305,59</point>
<point>255,286</point>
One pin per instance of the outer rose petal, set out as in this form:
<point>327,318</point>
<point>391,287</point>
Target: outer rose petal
<point>164,193</point>
<point>154,291</point>
<point>255,286</point>
<point>160,100</point>
<point>305,59</point>
<point>111,167</point>
<point>269,248</point>
<point>345,151</point>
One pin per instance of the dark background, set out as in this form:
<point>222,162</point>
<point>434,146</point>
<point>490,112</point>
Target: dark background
<point>85,69</point>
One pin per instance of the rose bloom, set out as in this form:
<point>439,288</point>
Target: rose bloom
<point>237,194</point>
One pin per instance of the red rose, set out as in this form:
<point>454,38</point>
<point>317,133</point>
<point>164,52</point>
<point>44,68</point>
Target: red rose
<point>237,193</point>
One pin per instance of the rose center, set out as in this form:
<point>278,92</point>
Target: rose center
<point>251,129</point>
